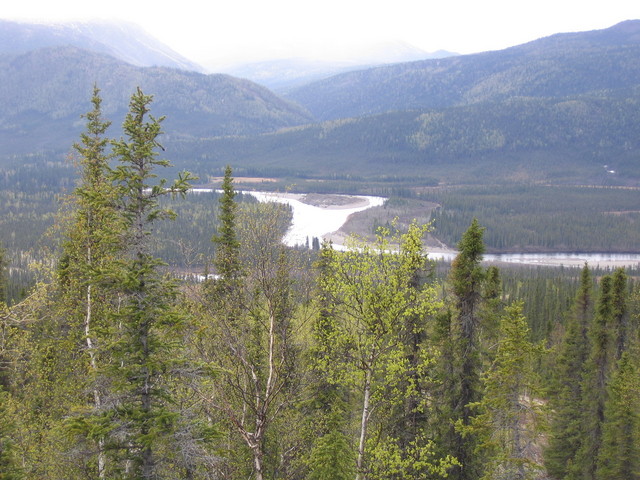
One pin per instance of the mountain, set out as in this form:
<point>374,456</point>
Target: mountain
<point>560,65</point>
<point>43,93</point>
<point>124,41</point>
<point>282,75</point>
<point>579,140</point>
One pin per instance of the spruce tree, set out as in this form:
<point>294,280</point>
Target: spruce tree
<point>227,256</point>
<point>145,348</point>
<point>619,455</point>
<point>92,242</point>
<point>466,278</point>
<point>620,314</point>
<point>597,371</point>
<point>509,414</point>
<point>567,389</point>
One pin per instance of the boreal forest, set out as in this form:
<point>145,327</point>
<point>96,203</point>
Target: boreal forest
<point>371,362</point>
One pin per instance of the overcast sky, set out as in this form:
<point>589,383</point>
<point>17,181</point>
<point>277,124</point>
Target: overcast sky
<point>247,30</point>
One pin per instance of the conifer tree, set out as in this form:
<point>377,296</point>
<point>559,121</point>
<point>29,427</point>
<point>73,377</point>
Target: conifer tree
<point>509,418</point>
<point>227,257</point>
<point>466,278</point>
<point>145,349</point>
<point>619,456</point>
<point>92,241</point>
<point>597,372</point>
<point>567,388</point>
<point>620,314</point>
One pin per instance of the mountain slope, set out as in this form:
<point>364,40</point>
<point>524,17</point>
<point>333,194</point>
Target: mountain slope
<point>584,139</point>
<point>556,66</point>
<point>44,92</point>
<point>124,41</point>
<point>283,75</point>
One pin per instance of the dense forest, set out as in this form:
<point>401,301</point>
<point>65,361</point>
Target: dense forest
<point>368,363</point>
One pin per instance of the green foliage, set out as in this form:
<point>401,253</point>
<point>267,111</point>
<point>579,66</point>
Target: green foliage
<point>9,464</point>
<point>619,456</point>
<point>529,218</point>
<point>510,413</point>
<point>371,297</point>
<point>330,458</point>
<point>466,278</point>
<point>567,387</point>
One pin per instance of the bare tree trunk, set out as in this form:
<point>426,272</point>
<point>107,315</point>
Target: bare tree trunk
<point>97,401</point>
<point>363,425</point>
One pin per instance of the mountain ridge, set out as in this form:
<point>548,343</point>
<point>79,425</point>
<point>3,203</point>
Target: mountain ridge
<point>531,69</point>
<point>45,91</point>
<point>122,40</point>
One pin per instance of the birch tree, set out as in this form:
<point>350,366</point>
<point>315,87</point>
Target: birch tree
<point>373,293</point>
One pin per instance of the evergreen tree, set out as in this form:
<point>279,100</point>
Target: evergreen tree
<point>466,278</point>
<point>145,349</point>
<point>598,369</point>
<point>620,314</point>
<point>227,257</point>
<point>567,389</point>
<point>92,242</point>
<point>619,456</point>
<point>508,422</point>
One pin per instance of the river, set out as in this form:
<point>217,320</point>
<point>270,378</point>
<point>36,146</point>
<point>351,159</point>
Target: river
<point>318,221</point>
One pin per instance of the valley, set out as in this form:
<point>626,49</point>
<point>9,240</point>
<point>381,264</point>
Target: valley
<point>169,309</point>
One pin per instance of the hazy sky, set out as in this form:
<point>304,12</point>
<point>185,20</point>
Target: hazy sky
<point>245,30</point>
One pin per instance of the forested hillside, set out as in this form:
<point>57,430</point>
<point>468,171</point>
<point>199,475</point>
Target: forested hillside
<point>368,363</point>
<point>43,92</point>
<point>584,140</point>
<point>558,66</point>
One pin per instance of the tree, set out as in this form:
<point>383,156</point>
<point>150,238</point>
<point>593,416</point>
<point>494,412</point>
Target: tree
<point>620,314</point>
<point>567,389</point>
<point>331,455</point>
<point>92,241</point>
<point>9,465</point>
<point>248,339</point>
<point>466,278</point>
<point>597,371</point>
<point>509,414</point>
<point>619,456</point>
<point>227,257</point>
<point>372,293</point>
<point>145,347</point>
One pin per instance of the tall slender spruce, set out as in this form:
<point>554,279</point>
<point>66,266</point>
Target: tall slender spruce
<point>597,372</point>
<point>466,278</point>
<point>567,390</point>
<point>144,350</point>
<point>93,240</point>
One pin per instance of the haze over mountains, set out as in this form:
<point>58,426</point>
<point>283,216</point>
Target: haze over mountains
<point>557,109</point>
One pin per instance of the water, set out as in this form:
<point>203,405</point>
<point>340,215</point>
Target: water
<point>311,221</point>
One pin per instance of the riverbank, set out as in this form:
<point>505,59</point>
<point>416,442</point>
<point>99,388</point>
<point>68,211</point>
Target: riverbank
<point>335,217</point>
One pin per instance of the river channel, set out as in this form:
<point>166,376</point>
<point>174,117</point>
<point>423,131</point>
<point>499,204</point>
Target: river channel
<point>321,219</point>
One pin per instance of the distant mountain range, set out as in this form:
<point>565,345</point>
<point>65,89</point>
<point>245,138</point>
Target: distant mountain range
<point>43,93</point>
<point>282,75</point>
<point>556,66</point>
<point>558,110</point>
<point>124,41</point>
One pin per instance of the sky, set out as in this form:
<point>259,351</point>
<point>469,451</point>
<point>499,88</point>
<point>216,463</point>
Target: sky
<point>236,31</point>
